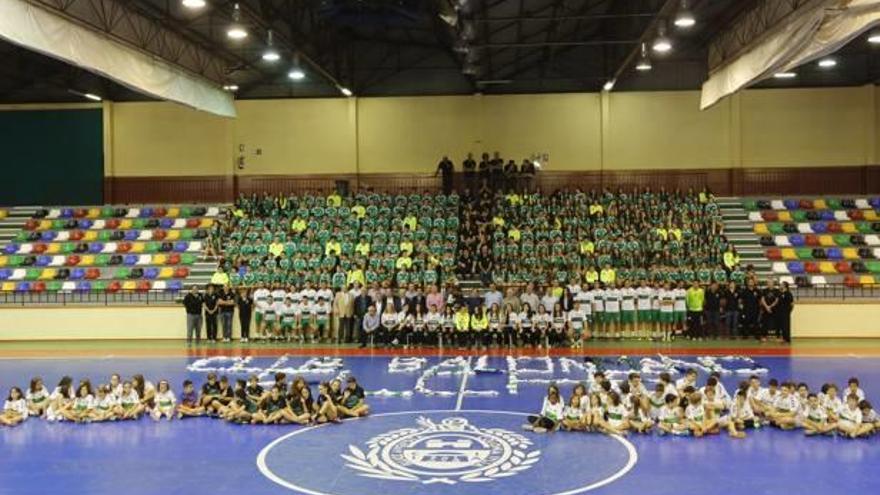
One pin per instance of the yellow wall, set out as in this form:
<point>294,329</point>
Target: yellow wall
<point>587,131</point>
<point>168,139</point>
<point>308,136</point>
<point>810,319</point>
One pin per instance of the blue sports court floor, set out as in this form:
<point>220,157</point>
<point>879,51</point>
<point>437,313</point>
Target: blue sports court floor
<point>435,430</point>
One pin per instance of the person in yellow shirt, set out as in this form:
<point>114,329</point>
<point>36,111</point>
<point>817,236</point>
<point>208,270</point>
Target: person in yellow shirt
<point>406,247</point>
<point>662,233</point>
<point>276,249</point>
<point>332,247</point>
<point>587,247</point>
<point>608,275</point>
<point>359,211</point>
<point>298,225</point>
<point>356,274</point>
<point>334,200</point>
<point>731,258</point>
<point>479,328</point>
<point>497,221</point>
<point>462,325</point>
<point>514,233</point>
<point>591,275</point>
<point>404,262</point>
<point>675,233</point>
<point>220,278</point>
<point>363,247</point>
<point>596,209</point>
<point>410,222</point>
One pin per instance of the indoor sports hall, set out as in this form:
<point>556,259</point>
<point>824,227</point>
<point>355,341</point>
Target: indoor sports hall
<point>432,247</point>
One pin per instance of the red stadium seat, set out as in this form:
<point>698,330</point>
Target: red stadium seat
<point>774,253</point>
<point>76,235</point>
<point>181,272</point>
<point>193,223</point>
<point>855,215</point>
<point>31,224</point>
<point>72,260</point>
<point>39,248</point>
<point>806,204</point>
<point>160,211</point>
<point>811,240</point>
<point>112,223</point>
<point>159,235</point>
<point>114,286</point>
<point>123,247</point>
<point>92,273</point>
<point>834,228</point>
<point>38,287</point>
<point>851,281</point>
<point>173,259</point>
<point>769,216</point>
<point>144,286</point>
<point>843,267</point>
<point>80,212</point>
<point>811,267</point>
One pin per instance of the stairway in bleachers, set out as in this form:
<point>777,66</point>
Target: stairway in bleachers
<point>13,222</point>
<point>738,230</point>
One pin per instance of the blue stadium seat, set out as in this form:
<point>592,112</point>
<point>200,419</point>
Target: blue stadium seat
<point>151,273</point>
<point>819,227</point>
<point>796,240</point>
<point>77,273</point>
<point>130,260</point>
<point>791,204</point>
<point>795,267</point>
<point>834,253</point>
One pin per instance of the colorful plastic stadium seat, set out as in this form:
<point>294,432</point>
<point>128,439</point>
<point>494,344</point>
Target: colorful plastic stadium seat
<point>175,285</point>
<point>173,212</point>
<point>826,240</point>
<point>172,235</point>
<point>827,267</point>
<point>133,213</point>
<point>151,273</point>
<point>87,236</point>
<point>779,267</point>
<point>166,223</point>
<point>805,204</point>
<point>181,246</point>
<point>8,287</point>
<point>166,272</point>
<point>867,280</point>
<point>791,204</point>
<point>160,234</point>
<point>48,274</point>
<point>192,223</point>
<point>68,286</point>
<point>77,273</point>
<point>43,260</point>
<point>851,281</point>
<point>143,286</point>
<point>776,228</point>
<point>114,286</point>
<point>843,267</point>
<point>206,223</point>
<point>788,254</point>
<point>818,280</point>
<point>755,216</point>
<point>129,285</point>
<point>181,272</point>
<point>93,273</point>
<point>38,287</point>
<point>834,253</point>
<point>144,259</point>
<point>769,215</point>
<point>194,247</point>
<point>123,247</point>
<point>159,285</point>
<point>173,259</point>
<point>796,240</point>
<point>805,228</point>
<point>130,260</point>
<point>872,215</point>
<point>872,240</point>
<point>179,223</point>
<point>23,287</point>
<point>811,267</point>
<point>833,228</point>
<point>795,267</point>
<point>4,260</point>
<point>160,259</point>
<point>5,273</point>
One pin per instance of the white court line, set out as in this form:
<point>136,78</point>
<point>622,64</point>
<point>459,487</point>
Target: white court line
<point>461,389</point>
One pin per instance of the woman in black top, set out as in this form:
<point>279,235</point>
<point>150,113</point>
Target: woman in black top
<point>245,302</point>
<point>211,311</point>
<point>786,305</point>
<point>769,309</point>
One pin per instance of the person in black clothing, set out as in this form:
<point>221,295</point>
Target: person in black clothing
<point>496,168</point>
<point>510,171</point>
<point>751,306</point>
<point>485,166</point>
<point>211,311</point>
<point>469,166</point>
<point>245,303</point>
<point>193,303</point>
<point>731,306</point>
<point>526,173</point>
<point>227,311</point>
<point>362,302</point>
<point>769,309</point>
<point>445,169</point>
<point>786,306</point>
<point>712,310</point>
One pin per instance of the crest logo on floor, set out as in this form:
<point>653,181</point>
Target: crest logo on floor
<point>449,452</point>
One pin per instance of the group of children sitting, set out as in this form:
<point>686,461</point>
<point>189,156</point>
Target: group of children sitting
<point>684,408</point>
<point>245,402</point>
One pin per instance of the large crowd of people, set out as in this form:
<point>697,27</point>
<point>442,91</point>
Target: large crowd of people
<point>683,407</point>
<point>244,401</point>
<point>540,316</point>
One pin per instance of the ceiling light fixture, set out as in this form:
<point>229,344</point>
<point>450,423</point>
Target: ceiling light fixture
<point>684,18</point>
<point>93,97</point>
<point>236,30</point>
<point>271,54</point>
<point>345,91</point>
<point>785,75</point>
<point>608,86</point>
<point>194,4</point>
<point>296,73</point>
<point>827,63</point>
<point>644,63</point>
<point>874,37</point>
<point>230,87</point>
<point>662,43</point>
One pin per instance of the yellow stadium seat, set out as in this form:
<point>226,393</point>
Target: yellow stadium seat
<point>45,225</point>
<point>784,216</point>
<point>761,229</point>
<point>166,272</point>
<point>207,223</point>
<point>173,235</point>
<point>826,240</point>
<point>93,213</point>
<point>53,248</point>
<point>48,274</point>
<point>871,215</point>
<point>137,247</point>
<point>867,280</point>
<point>87,260</point>
<point>159,259</point>
<point>848,228</point>
<point>125,224</point>
<point>827,267</point>
<point>3,213</point>
<point>129,285</point>
<point>4,260</point>
<point>789,254</point>
<point>8,287</point>
<point>820,204</point>
<point>851,253</point>
<point>90,235</point>
<point>173,212</point>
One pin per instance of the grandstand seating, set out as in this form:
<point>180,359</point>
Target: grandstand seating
<point>334,240</point>
<point>820,240</point>
<point>642,235</point>
<point>106,249</point>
